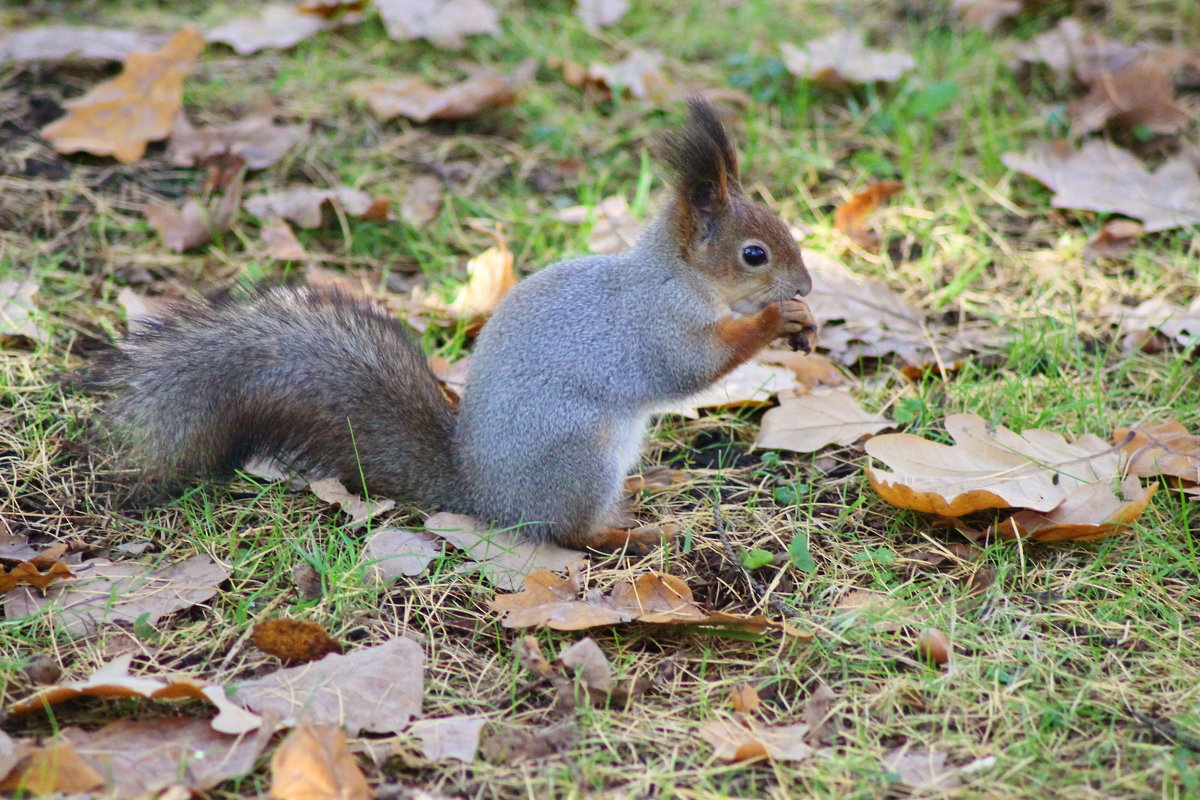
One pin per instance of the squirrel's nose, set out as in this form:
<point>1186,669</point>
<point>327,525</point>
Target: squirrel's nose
<point>804,285</point>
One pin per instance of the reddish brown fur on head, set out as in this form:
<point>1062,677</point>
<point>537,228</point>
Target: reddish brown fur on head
<point>720,232</point>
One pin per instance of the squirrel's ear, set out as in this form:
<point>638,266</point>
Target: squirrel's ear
<point>702,161</point>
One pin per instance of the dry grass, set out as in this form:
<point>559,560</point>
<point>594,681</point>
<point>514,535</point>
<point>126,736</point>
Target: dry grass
<point>1057,648</point>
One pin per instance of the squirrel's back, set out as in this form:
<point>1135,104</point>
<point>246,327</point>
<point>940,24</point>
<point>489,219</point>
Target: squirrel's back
<point>321,380</point>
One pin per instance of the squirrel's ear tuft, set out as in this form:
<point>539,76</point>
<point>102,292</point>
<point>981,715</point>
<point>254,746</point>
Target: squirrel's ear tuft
<point>702,160</point>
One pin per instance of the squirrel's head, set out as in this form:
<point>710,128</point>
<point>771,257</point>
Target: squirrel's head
<point>744,251</point>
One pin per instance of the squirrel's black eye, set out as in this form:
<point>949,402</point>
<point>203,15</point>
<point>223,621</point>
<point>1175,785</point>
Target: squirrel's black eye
<point>754,255</point>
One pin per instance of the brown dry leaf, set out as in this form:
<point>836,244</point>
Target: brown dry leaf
<point>987,14</point>
<point>377,688</point>
<point>490,276</point>
<point>502,557</point>
<point>139,308</point>
<point>446,738</point>
<point>196,223</point>
<point>843,57</point>
<point>76,44</point>
<point>1114,240</point>
<point>1165,449</point>
<point>315,763</point>
<point>744,699</point>
<point>921,769</point>
<point>1071,484</point>
<point>851,217</point>
<point>1178,323</point>
<point>551,601</point>
<point>750,384</point>
<point>27,573</point>
<point>1070,49</point>
<point>1103,177</point>
<point>120,116</point>
<point>18,310</point>
<point>11,754</point>
<point>107,592</point>
<point>640,73</point>
<point>445,23</point>
<point>360,510</point>
<point>744,741</point>
<point>114,680</point>
<point>810,369</point>
<point>53,768</point>
<point>282,25</point>
<point>1140,94</point>
<point>452,374</point>
<point>596,14</point>
<point>139,758</point>
<point>588,661</point>
<point>294,641</point>
<point>303,204</point>
<point>818,710</point>
<point>256,139</point>
<point>422,201</point>
<point>421,101</point>
<point>808,422</point>
<point>614,228</point>
<point>394,552</point>
<point>281,242</point>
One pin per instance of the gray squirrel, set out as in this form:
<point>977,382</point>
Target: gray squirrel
<point>561,385</point>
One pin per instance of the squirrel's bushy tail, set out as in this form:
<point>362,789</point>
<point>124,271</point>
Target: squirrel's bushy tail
<point>321,380</point>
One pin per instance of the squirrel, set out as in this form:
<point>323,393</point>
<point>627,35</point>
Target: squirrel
<point>561,385</point>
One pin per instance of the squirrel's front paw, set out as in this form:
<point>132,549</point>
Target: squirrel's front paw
<point>797,321</point>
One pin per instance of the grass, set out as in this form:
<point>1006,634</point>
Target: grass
<point>1055,645</point>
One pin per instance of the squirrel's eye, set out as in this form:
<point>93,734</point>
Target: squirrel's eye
<point>754,255</point>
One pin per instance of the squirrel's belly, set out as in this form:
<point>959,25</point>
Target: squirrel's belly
<point>628,439</point>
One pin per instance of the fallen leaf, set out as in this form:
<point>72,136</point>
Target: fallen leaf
<point>818,710</point>
<point>453,375</point>
<point>256,139</point>
<point>106,592</point>
<point>1071,49</point>
<point>11,754</point>
<point>1178,323</point>
<point>921,768</point>
<point>377,688</point>
<point>614,228</point>
<point>1114,240</point>
<point>808,422</point>
<point>113,680</point>
<point>422,200</point>
<point>76,44</point>
<point>294,641</point>
<point>744,699</point>
<point>811,370</point>
<point>28,574</point>
<point>139,758</point>
<point>490,276</point>
<point>281,26</point>
<point>393,552</point>
<point>303,204</point>
<point>1090,512</point>
<point>851,217</point>
<point>640,73</point>
<point>360,510</point>
<point>54,768</point>
<point>552,601</point>
<point>18,310</point>
<point>281,242</point>
<point>448,738</point>
<point>1165,449</point>
<point>196,223</point>
<point>987,14</point>
<point>596,14</point>
<point>315,763</point>
<point>139,308</point>
<point>843,57</point>
<point>421,101</point>
<point>1140,94</point>
<point>120,116</point>
<point>1103,177</point>
<point>587,659</point>
<point>744,741</point>
<point>445,23</point>
<point>502,557</point>
<point>750,384</point>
